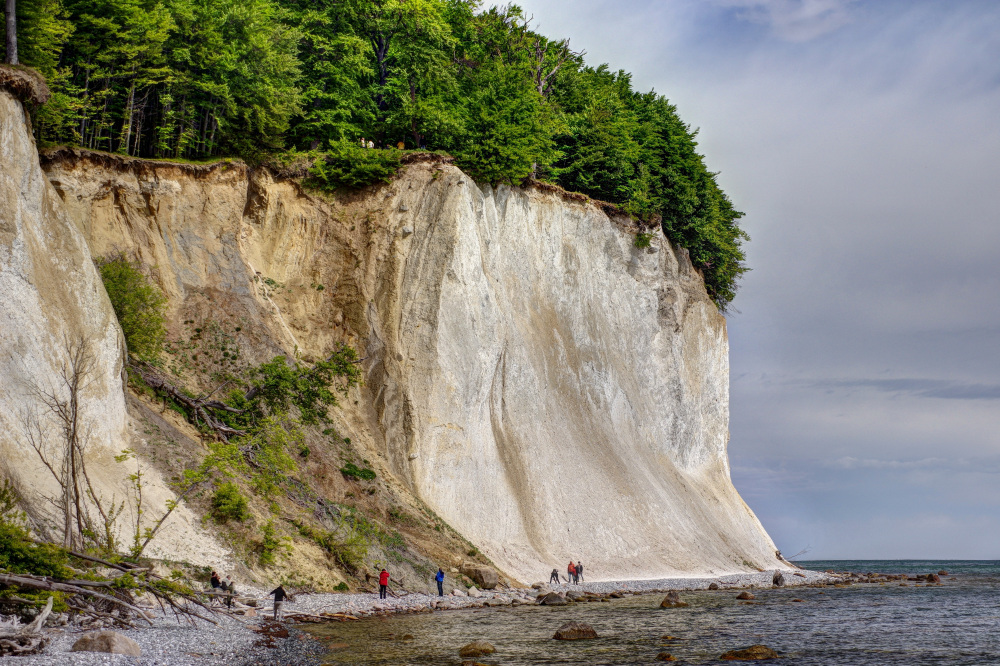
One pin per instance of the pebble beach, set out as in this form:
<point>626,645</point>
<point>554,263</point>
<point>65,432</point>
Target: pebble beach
<point>252,638</point>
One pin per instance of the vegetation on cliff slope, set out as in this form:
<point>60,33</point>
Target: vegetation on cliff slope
<point>187,79</point>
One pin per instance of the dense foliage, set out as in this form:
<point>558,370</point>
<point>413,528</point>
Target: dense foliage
<point>138,304</point>
<point>197,79</point>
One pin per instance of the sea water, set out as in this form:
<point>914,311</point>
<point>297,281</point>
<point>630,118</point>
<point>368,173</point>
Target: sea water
<point>957,622</point>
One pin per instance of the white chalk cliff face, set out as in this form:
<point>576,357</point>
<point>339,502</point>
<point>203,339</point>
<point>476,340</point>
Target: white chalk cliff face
<point>567,392</point>
<point>543,385</point>
<point>52,301</point>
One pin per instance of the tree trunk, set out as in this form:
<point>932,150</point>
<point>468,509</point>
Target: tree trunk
<point>11,12</point>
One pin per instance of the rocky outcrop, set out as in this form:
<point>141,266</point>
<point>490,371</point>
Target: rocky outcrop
<point>55,307</point>
<point>536,380</point>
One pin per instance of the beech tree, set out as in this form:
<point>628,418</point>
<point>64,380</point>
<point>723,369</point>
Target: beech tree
<point>10,24</point>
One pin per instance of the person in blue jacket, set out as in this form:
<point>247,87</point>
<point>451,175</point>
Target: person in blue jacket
<point>440,581</point>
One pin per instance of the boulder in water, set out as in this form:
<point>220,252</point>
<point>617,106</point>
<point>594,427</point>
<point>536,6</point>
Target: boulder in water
<point>553,599</point>
<point>778,580</point>
<point>574,631</point>
<point>713,586</point>
<point>665,656</point>
<point>751,653</point>
<point>672,600</point>
<point>745,596</point>
<point>476,649</point>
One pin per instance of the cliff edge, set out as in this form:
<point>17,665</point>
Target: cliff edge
<point>532,378</point>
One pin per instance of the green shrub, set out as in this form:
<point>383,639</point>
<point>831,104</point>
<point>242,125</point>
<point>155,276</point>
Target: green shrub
<point>139,305</point>
<point>228,504</point>
<point>341,587</point>
<point>349,165</point>
<point>271,544</point>
<point>643,239</point>
<point>352,471</point>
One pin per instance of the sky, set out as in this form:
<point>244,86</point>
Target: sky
<point>862,140</point>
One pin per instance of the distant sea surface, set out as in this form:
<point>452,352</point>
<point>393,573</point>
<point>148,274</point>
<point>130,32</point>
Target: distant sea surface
<point>957,623</point>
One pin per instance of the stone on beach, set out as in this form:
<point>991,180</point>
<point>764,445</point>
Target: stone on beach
<point>476,649</point>
<point>107,641</point>
<point>751,653</point>
<point>778,580</point>
<point>713,586</point>
<point>574,631</point>
<point>485,577</point>
<point>553,599</point>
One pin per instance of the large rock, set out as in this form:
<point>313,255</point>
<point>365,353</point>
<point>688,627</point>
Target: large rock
<point>107,641</point>
<point>746,596</point>
<point>485,577</point>
<point>574,631</point>
<point>476,649</point>
<point>553,599</point>
<point>751,653</point>
<point>778,579</point>
<point>672,600</point>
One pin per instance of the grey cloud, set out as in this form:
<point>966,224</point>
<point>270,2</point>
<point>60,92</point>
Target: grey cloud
<point>923,388</point>
<point>795,20</point>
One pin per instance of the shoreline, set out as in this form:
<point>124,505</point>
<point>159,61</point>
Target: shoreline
<point>238,640</point>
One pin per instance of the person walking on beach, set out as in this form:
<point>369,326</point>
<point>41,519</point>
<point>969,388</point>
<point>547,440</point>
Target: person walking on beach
<point>554,576</point>
<point>279,595</point>
<point>579,572</point>
<point>571,571</point>
<point>383,584</point>
<point>229,587</point>
<point>439,577</point>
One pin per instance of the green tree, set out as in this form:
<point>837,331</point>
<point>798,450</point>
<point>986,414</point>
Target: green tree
<point>139,305</point>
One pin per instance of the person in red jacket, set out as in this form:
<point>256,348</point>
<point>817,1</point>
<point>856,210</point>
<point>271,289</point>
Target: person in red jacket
<point>383,584</point>
<point>571,570</point>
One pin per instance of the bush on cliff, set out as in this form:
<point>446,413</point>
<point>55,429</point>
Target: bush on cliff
<point>347,164</point>
<point>139,305</point>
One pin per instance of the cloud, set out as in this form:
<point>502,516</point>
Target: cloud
<point>794,20</point>
<point>921,388</point>
<point>850,462</point>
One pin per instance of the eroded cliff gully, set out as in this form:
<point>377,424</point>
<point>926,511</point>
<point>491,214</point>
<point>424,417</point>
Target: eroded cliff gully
<point>541,384</point>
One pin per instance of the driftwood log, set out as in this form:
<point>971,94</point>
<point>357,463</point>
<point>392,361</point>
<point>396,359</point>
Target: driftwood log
<point>29,639</point>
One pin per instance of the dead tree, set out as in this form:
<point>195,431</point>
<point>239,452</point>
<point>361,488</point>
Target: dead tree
<point>59,406</point>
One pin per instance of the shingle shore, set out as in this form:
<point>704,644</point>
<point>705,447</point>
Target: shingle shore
<point>234,643</point>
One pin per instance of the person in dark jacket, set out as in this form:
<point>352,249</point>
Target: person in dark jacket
<point>383,584</point>
<point>279,595</point>
<point>439,577</point>
<point>579,572</point>
<point>554,576</point>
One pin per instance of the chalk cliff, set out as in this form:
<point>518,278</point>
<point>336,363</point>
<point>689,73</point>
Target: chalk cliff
<point>544,386</point>
<point>54,309</point>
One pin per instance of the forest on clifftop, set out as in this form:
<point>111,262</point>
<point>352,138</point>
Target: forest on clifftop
<point>200,79</point>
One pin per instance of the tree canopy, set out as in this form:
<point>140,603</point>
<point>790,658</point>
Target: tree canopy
<point>198,79</point>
